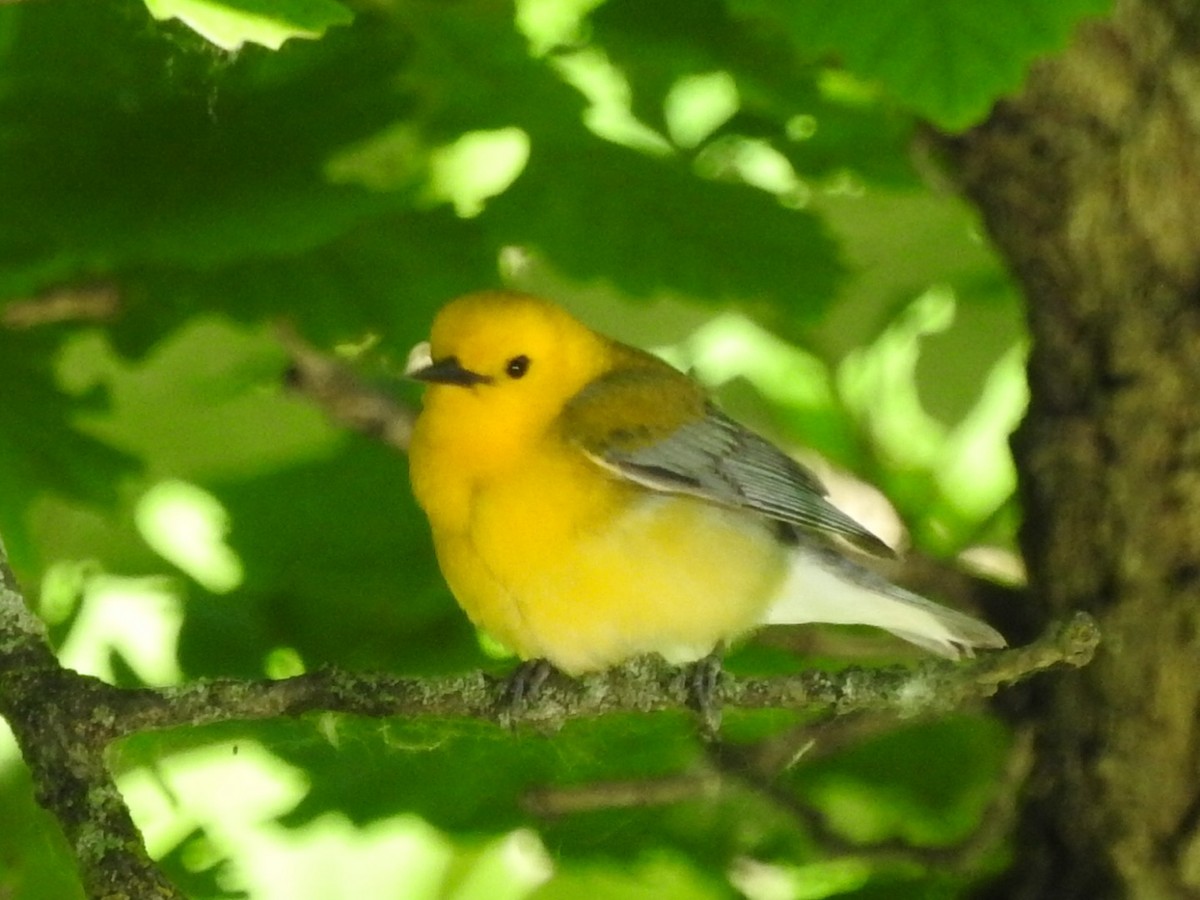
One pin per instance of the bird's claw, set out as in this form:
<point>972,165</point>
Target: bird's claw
<point>702,680</point>
<point>521,690</point>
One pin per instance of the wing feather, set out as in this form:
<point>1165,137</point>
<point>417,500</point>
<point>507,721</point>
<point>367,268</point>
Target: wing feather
<point>708,455</point>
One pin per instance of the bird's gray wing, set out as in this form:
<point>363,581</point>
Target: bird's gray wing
<point>716,458</point>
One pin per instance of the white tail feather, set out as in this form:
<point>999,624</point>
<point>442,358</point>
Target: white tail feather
<point>824,586</point>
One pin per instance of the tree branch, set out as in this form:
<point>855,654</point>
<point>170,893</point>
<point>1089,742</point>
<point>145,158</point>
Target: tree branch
<point>90,301</point>
<point>63,721</point>
<point>644,685</point>
<point>341,394</point>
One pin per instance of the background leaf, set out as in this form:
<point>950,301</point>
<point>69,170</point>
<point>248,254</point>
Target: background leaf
<point>949,61</point>
<point>231,23</point>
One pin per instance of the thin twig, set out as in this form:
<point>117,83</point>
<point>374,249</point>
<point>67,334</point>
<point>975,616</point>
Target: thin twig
<point>94,301</point>
<point>342,395</point>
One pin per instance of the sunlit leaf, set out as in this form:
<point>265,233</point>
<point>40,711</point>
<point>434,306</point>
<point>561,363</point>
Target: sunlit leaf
<point>231,23</point>
<point>784,97</point>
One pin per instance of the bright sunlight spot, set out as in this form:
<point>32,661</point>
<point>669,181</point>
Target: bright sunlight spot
<point>698,105</point>
<point>610,115</point>
<point>229,25</point>
<point>879,383</point>
<point>816,881</point>
<point>759,880</point>
<point>508,869</point>
<point>842,87</point>
<point>801,127</point>
<point>756,163</point>
<point>978,474</point>
<point>283,662</point>
<point>830,878</point>
<point>970,462</point>
<point>465,173</point>
<point>137,619</point>
<point>220,803</point>
<point>732,346</point>
<point>186,525</point>
<point>547,24</point>
<point>477,166</point>
<point>331,858</point>
<point>491,647</point>
<point>390,160</point>
<point>230,790</point>
<point>10,753</point>
<point>63,586</point>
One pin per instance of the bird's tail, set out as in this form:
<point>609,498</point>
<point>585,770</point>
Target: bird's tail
<point>824,586</point>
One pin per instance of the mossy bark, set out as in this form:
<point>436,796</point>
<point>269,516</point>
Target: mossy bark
<point>1089,183</point>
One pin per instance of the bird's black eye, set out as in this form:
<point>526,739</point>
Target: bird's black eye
<point>517,366</point>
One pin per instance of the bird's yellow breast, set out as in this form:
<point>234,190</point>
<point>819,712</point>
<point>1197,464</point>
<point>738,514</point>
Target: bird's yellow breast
<point>558,559</point>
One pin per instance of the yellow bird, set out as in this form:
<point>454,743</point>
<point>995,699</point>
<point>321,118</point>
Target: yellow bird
<point>590,504</point>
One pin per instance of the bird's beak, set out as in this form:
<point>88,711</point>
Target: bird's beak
<point>422,367</point>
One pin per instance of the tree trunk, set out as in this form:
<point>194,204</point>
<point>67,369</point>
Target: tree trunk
<point>1089,183</point>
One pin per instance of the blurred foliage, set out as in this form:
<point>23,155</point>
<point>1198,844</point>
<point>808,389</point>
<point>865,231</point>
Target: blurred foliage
<point>947,60</point>
<point>728,181</point>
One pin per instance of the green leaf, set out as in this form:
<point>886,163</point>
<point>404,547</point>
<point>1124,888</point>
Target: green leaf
<point>383,280</point>
<point>887,790</point>
<point>656,44</point>
<point>466,777</point>
<point>40,447</point>
<point>163,156</point>
<point>339,568</point>
<point>948,60</point>
<point>781,92</point>
<point>470,70</point>
<point>38,861</point>
<point>600,211</point>
<point>653,876</point>
<point>231,23</point>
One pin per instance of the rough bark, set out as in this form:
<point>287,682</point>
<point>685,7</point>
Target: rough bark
<point>1089,182</point>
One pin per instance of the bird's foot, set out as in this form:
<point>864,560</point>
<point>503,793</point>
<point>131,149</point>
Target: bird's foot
<point>521,690</point>
<point>702,680</point>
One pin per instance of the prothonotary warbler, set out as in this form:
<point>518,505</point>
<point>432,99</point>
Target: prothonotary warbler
<point>590,504</point>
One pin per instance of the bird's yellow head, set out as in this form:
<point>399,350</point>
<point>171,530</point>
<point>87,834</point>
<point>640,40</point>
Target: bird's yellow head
<point>500,366</point>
